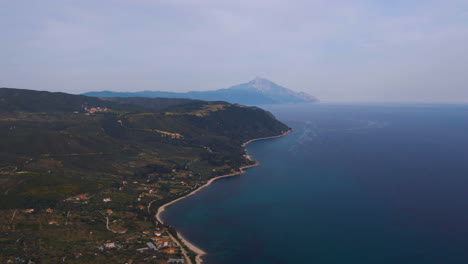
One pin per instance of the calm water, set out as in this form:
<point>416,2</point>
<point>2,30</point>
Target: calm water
<point>352,184</point>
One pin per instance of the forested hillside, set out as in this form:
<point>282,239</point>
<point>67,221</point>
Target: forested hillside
<point>69,153</point>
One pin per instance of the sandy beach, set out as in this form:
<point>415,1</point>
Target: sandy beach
<point>257,139</point>
<point>161,209</point>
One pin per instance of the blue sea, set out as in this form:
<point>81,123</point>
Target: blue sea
<point>364,184</point>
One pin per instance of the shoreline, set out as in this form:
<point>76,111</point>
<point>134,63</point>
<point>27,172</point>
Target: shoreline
<point>198,251</point>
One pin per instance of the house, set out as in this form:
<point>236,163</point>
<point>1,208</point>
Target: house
<point>53,222</point>
<point>49,210</point>
<point>151,246</point>
<point>110,245</point>
<point>142,249</point>
<point>29,211</point>
<point>80,197</point>
<point>169,250</point>
<point>141,207</point>
<point>173,260</point>
<point>109,211</point>
<point>146,232</point>
<point>106,200</point>
<point>161,242</point>
<point>158,233</point>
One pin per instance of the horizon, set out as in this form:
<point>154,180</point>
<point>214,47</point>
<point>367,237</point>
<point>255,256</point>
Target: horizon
<point>289,104</point>
<point>338,51</point>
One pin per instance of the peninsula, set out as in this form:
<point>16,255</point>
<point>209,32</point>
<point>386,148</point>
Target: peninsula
<point>84,179</point>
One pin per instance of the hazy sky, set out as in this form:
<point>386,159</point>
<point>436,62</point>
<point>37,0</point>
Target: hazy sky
<point>349,50</point>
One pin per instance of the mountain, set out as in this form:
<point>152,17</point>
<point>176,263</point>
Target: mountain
<point>256,92</point>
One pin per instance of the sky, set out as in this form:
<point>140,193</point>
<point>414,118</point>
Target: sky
<point>337,50</point>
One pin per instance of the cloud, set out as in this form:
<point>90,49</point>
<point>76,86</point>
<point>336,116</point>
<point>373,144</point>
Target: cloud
<point>338,50</point>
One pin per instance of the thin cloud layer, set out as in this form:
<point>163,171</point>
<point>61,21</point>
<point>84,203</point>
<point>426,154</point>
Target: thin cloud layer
<point>336,50</point>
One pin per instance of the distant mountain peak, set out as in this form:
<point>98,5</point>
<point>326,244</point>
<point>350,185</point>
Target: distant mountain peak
<point>261,80</point>
<point>262,84</point>
<point>255,92</point>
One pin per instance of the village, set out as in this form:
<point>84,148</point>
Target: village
<point>118,223</point>
<point>115,224</point>
<point>154,244</point>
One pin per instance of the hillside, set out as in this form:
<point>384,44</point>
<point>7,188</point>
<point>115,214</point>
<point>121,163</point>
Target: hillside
<point>256,92</point>
<point>22,100</point>
<point>139,152</point>
<point>39,125</point>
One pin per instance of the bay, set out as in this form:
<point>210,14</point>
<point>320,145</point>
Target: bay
<point>353,183</point>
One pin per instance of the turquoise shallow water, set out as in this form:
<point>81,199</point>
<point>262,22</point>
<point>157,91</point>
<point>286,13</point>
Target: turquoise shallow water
<point>352,184</point>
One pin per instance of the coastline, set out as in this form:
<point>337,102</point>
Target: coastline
<point>199,252</point>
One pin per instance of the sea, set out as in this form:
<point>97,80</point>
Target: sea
<point>353,183</point>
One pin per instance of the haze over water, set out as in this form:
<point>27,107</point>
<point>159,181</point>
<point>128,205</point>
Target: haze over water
<point>352,184</point>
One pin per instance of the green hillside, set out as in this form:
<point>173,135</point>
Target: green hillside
<point>54,146</point>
